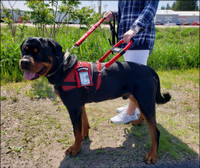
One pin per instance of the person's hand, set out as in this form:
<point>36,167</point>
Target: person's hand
<point>109,16</point>
<point>128,35</point>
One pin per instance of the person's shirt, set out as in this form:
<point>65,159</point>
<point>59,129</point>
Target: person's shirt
<point>140,13</point>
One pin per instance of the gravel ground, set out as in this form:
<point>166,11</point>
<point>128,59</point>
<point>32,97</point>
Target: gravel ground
<point>184,164</point>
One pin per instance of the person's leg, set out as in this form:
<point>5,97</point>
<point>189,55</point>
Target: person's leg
<point>128,114</point>
<point>140,57</point>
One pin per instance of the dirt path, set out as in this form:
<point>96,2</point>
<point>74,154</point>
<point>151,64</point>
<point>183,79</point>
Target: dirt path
<point>36,132</point>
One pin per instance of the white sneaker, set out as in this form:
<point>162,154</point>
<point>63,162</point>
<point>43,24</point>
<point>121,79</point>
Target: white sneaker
<point>123,118</point>
<point>120,109</point>
<point>137,111</point>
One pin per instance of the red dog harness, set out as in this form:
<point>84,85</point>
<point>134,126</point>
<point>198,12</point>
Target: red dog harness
<point>81,76</point>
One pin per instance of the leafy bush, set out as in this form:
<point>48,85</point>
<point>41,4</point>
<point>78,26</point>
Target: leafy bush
<point>10,55</point>
<point>175,48</point>
<point>178,49</point>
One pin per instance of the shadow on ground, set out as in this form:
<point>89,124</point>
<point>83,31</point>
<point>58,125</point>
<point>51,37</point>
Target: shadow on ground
<point>172,152</point>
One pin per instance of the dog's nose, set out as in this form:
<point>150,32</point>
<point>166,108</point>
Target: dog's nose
<point>25,63</point>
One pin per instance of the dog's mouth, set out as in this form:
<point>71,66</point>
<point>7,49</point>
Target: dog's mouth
<point>28,75</point>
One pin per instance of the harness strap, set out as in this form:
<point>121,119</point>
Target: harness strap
<point>99,75</point>
<point>71,82</point>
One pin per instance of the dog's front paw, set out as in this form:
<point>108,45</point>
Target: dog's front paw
<point>73,150</point>
<point>150,158</point>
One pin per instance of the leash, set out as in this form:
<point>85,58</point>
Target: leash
<point>114,46</point>
<point>113,33</point>
<point>80,41</point>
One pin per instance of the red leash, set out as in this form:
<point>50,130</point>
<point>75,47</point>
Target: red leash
<point>120,53</point>
<point>89,32</point>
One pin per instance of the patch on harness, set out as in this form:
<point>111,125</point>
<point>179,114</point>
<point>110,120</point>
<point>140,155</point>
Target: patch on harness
<point>83,74</point>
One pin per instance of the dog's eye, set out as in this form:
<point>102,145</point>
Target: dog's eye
<point>26,48</point>
<point>35,50</point>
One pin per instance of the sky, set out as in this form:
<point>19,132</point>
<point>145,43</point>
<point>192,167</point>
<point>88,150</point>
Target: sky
<point>106,5</point>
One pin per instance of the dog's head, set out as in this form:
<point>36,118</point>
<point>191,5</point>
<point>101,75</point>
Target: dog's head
<point>38,56</point>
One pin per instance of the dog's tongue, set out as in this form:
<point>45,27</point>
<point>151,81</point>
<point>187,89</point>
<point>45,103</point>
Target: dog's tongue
<point>28,75</point>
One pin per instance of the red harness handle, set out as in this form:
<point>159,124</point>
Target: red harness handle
<point>89,32</point>
<point>108,64</point>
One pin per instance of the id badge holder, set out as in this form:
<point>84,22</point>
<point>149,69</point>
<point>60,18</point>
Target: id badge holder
<point>83,77</point>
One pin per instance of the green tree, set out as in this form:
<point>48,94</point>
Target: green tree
<point>173,5</point>
<point>168,6</point>
<point>163,7</point>
<point>185,5</point>
<point>84,16</point>
<point>53,13</point>
<point>41,15</point>
<point>63,13</point>
<point>9,19</point>
<point>11,14</point>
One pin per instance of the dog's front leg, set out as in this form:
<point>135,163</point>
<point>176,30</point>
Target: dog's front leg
<point>75,116</point>
<point>85,124</point>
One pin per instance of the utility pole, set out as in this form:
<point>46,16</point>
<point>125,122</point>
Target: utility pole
<point>99,4</point>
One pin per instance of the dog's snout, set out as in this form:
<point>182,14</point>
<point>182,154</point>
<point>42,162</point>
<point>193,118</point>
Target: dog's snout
<point>25,63</point>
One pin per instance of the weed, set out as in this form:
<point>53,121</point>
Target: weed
<point>58,125</point>
<point>99,151</point>
<point>14,149</point>
<point>147,145</point>
<point>41,89</point>
<point>14,99</point>
<point>174,48</point>
<point>3,98</point>
<point>76,159</point>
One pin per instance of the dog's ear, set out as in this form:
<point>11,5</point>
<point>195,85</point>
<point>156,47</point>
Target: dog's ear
<point>22,44</point>
<point>29,38</point>
<point>57,49</point>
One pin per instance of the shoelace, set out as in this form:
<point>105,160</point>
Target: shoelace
<point>122,115</point>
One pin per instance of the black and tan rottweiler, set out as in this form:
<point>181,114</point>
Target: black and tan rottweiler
<point>139,83</point>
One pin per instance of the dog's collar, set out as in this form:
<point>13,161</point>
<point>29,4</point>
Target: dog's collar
<point>64,66</point>
<point>64,59</point>
<point>51,74</point>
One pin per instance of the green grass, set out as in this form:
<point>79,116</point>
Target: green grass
<point>175,48</point>
<point>170,145</point>
<point>41,89</point>
<point>179,77</point>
